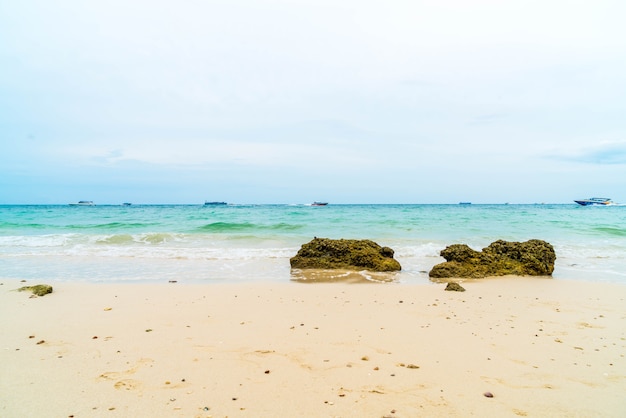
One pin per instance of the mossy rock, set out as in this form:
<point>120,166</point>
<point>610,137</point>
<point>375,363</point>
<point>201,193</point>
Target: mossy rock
<point>500,258</point>
<point>38,289</point>
<point>325,253</point>
<point>454,287</point>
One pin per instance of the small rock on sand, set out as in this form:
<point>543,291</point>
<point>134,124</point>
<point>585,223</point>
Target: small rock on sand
<point>38,289</point>
<point>453,286</point>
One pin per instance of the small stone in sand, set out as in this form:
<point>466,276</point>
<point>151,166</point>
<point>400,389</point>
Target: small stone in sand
<point>455,287</point>
<point>488,395</point>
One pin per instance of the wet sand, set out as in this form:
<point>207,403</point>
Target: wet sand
<point>540,347</point>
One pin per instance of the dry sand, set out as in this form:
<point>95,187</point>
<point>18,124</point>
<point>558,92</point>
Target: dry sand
<point>541,347</point>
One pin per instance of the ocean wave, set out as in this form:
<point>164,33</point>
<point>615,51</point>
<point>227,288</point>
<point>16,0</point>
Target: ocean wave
<point>110,225</point>
<point>128,239</point>
<point>225,227</point>
<point>43,241</point>
<point>611,231</point>
<point>159,238</point>
<point>8,226</point>
<point>119,239</point>
<point>189,254</point>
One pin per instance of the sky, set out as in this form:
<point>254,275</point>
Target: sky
<point>292,101</point>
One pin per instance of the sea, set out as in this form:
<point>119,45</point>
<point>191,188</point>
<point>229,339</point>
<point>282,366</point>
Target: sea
<point>253,243</point>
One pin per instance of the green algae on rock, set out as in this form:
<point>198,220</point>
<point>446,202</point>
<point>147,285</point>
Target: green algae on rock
<point>531,258</point>
<point>38,289</point>
<point>325,253</point>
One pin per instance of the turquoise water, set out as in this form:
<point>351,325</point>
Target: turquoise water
<point>254,242</point>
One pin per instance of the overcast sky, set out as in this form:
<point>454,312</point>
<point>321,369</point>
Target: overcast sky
<point>290,101</point>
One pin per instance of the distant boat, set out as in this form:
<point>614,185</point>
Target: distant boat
<point>319,203</point>
<point>465,203</point>
<point>207,203</point>
<point>595,201</point>
<point>126,204</point>
<point>83,203</point>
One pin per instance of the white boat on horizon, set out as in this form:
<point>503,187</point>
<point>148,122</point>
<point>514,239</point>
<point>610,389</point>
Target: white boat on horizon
<point>595,201</point>
<point>83,203</point>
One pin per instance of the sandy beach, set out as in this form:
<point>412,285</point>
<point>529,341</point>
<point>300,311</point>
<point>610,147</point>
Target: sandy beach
<point>532,347</point>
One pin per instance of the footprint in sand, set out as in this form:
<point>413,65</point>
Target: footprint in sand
<point>587,325</point>
<point>127,384</point>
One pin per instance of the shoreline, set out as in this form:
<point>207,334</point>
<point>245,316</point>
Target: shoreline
<point>540,347</point>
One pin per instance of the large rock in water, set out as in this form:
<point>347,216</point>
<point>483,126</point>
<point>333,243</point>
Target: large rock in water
<point>325,253</point>
<point>530,258</point>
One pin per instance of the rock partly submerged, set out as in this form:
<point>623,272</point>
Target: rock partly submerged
<point>500,258</point>
<point>38,289</point>
<point>326,253</point>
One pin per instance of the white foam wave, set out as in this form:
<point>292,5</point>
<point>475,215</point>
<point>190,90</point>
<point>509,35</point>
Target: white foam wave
<point>136,256</point>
